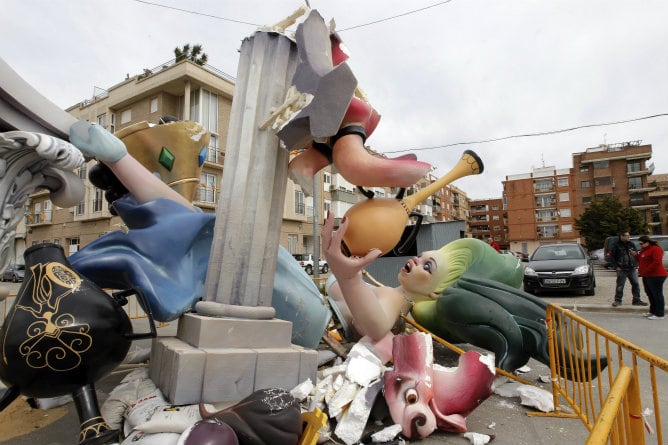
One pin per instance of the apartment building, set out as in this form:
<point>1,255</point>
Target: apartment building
<point>620,170</point>
<point>658,195</point>
<point>542,205</point>
<point>488,217</point>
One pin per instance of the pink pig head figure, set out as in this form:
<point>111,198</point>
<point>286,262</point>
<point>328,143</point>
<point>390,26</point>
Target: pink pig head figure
<point>423,397</point>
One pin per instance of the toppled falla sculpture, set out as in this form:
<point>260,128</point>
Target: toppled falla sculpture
<point>464,292</point>
<point>423,396</point>
<point>333,119</point>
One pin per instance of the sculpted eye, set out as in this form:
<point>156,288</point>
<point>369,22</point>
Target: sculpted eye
<point>428,266</point>
<point>411,396</point>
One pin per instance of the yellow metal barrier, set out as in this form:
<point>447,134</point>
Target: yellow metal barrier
<point>588,396</point>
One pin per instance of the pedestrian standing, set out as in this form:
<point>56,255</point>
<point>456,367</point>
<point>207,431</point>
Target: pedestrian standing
<point>653,273</point>
<point>494,244</point>
<point>623,255</point>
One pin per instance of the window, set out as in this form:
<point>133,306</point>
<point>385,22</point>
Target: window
<point>207,188</point>
<point>212,150</point>
<point>48,209</point>
<point>73,245</point>
<point>633,166</point>
<point>82,171</point>
<point>635,183</point>
<point>126,116</point>
<point>565,213</point>
<point>564,197</point>
<point>585,184</point>
<point>293,243</point>
<point>563,181</point>
<point>495,207</point>
<point>603,180</point>
<point>56,241</point>
<point>584,168</point>
<point>495,217</point>
<point>327,207</point>
<point>102,120</point>
<point>154,105</point>
<point>601,164</point>
<point>112,124</point>
<point>97,200</point>
<point>566,228</point>
<point>299,202</point>
<point>586,200</point>
<point>80,209</point>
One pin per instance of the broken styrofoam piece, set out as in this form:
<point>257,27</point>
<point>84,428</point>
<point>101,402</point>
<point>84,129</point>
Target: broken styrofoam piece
<point>351,425</point>
<point>529,395</point>
<point>342,398</point>
<point>537,398</point>
<point>302,391</point>
<point>363,365</point>
<point>523,370</point>
<point>478,438</point>
<point>386,434</point>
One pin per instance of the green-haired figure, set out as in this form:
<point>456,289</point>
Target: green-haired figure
<point>465,292</point>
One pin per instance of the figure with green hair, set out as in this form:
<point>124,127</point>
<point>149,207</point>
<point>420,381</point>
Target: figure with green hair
<point>464,292</point>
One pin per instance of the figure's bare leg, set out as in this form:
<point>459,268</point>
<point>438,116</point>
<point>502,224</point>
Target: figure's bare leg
<point>360,167</point>
<point>306,164</point>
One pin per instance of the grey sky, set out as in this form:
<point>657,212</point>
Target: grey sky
<point>460,71</point>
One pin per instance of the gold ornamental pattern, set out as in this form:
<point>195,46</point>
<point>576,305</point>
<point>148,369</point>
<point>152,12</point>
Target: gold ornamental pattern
<point>54,340</point>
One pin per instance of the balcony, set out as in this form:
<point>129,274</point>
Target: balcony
<point>37,219</point>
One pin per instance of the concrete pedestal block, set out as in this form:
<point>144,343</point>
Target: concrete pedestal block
<point>229,374</point>
<point>212,332</point>
<point>200,365</point>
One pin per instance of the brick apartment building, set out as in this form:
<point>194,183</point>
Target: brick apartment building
<point>488,217</point>
<point>542,205</point>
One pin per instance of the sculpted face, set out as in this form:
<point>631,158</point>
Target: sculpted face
<point>422,274</point>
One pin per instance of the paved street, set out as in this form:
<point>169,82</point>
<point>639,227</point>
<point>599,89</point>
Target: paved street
<point>503,417</point>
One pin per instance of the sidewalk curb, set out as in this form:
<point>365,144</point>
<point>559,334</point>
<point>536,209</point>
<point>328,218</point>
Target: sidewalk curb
<point>604,308</point>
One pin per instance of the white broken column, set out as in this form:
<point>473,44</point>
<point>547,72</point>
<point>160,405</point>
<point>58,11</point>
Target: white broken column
<point>233,346</point>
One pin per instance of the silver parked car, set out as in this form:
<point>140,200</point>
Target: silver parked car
<point>15,273</point>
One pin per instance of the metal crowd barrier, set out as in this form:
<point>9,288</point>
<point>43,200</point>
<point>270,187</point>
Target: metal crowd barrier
<point>619,406</point>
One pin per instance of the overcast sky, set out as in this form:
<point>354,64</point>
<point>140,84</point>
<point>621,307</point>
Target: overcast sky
<point>440,73</point>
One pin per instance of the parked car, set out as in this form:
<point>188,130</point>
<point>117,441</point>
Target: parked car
<point>661,239</point>
<point>15,273</point>
<point>598,257</point>
<point>559,267</point>
<point>524,257</point>
<point>306,261</point>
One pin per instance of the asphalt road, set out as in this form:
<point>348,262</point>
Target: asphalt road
<point>503,417</point>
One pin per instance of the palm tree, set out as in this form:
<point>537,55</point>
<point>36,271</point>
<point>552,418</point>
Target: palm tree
<point>195,54</point>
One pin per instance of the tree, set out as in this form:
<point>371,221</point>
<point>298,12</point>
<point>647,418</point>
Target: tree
<point>194,54</point>
<point>607,217</point>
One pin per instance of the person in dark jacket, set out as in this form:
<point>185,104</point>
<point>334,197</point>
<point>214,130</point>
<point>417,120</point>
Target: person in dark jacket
<point>623,254</point>
<point>653,273</point>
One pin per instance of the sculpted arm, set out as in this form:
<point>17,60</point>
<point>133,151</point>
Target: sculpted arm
<point>373,308</point>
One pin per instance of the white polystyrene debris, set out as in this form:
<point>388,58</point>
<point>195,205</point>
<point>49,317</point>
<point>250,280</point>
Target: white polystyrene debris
<point>363,366</point>
<point>478,438</point>
<point>342,398</point>
<point>386,434</point>
<point>537,398</point>
<point>301,391</point>
<point>492,425</point>
<point>351,425</point>
<point>523,369</point>
<point>545,378</point>
<point>509,389</point>
<point>488,359</point>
